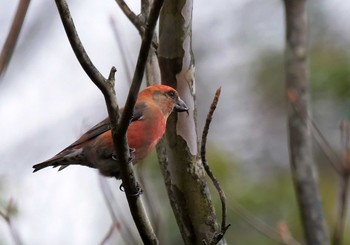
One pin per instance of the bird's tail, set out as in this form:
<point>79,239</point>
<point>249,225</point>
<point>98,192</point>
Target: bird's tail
<point>62,160</point>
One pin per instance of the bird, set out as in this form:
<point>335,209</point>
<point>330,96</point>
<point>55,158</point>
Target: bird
<point>95,148</point>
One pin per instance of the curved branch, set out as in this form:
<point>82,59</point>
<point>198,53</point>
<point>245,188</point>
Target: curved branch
<point>224,226</point>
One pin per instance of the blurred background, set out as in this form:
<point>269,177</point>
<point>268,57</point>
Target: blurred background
<point>47,102</point>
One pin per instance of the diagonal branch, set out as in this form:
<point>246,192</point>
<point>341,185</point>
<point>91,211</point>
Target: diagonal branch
<point>119,130</point>
<point>219,235</point>
<point>12,37</point>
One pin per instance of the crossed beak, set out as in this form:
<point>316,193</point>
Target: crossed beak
<point>180,106</point>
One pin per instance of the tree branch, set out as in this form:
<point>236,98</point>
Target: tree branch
<point>137,20</point>
<point>303,170</point>
<point>12,37</point>
<point>220,234</point>
<point>134,19</point>
<point>119,130</point>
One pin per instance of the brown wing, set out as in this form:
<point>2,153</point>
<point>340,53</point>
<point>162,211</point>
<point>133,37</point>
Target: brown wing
<point>104,126</point>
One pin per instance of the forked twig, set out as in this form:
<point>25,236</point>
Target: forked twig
<point>134,19</point>
<point>139,21</point>
<point>224,226</point>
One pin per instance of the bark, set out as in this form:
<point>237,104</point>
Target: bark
<point>181,165</point>
<point>302,166</point>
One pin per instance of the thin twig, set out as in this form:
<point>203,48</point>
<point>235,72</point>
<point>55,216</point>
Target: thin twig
<point>134,19</point>
<point>258,224</point>
<point>319,138</point>
<point>109,233</point>
<point>218,235</point>
<point>128,236</point>
<point>344,188</point>
<point>8,219</point>
<point>285,235</point>
<point>119,130</point>
<point>121,49</point>
<point>140,20</point>
<point>333,158</point>
<point>12,37</point>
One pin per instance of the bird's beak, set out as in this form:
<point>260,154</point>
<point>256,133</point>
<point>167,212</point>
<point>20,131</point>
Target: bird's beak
<point>180,105</point>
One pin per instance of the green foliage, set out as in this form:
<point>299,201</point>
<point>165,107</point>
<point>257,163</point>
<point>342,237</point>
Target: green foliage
<point>268,196</point>
<point>330,73</point>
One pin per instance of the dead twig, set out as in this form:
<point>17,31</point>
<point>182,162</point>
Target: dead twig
<point>7,216</point>
<point>12,37</point>
<point>224,226</point>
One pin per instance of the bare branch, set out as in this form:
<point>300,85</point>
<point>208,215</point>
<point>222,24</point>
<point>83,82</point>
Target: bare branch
<point>134,19</point>
<point>119,130</point>
<point>302,166</point>
<point>12,37</point>
<point>138,21</point>
<point>219,235</point>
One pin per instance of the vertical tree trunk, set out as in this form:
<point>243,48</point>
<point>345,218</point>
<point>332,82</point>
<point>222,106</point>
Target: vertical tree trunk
<point>182,169</point>
<point>303,170</point>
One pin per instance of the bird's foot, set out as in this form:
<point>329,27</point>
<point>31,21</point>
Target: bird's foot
<point>131,154</point>
<point>114,157</point>
<point>137,193</point>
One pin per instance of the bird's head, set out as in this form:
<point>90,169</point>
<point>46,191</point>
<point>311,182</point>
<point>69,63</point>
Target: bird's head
<point>165,97</point>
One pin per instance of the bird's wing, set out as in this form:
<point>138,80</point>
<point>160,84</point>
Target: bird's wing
<point>104,125</point>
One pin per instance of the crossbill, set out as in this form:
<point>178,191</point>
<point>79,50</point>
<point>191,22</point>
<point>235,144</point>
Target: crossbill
<point>95,148</point>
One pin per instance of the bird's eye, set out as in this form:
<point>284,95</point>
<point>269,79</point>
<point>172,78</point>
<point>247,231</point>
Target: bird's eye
<point>171,94</point>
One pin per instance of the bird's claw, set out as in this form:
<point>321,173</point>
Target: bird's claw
<point>114,157</point>
<point>131,154</point>
<point>138,192</point>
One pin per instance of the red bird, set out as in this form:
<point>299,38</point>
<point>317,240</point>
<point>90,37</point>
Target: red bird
<point>95,148</point>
